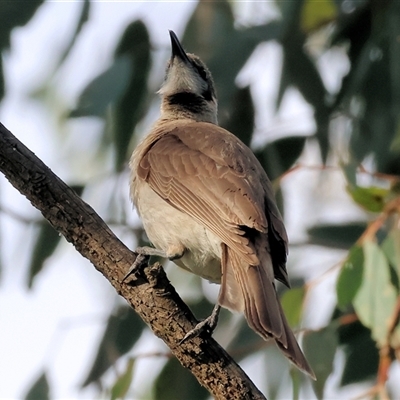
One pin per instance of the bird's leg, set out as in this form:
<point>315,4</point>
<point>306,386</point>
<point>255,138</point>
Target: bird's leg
<point>143,255</point>
<point>208,324</point>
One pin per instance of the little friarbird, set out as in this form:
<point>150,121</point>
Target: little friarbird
<point>207,204</point>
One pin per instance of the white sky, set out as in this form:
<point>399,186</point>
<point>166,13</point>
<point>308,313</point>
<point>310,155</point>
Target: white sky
<point>57,325</point>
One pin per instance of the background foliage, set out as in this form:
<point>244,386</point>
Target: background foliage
<point>355,135</point>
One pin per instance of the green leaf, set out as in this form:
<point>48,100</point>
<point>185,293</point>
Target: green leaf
<point>131,107</point>
<point>77,188</point>
<point>300,71</point>
<point>105,89</point>
<point>2,83</point>
<point>225,64</point>
<point>395,145</point>
<point>245,342</point>
<point>394,29</point>
<point>350,173</point>
<point>361,353</point>
<point>210,33</point>
<point>123,383</point>
<point>371,198</point>
<point>284,83</point>
<point>13,14</point>
<point>123,330</point>
<point>176,382</point>
<point>296,383</point>
<point>83,18</point>
<point>370,99</point>
<point>276,366</point>
<point>350,277</point>
<point>291,11</point>
<point>39,390</point>
<point>391,248</point>
<point>277,157</point>
<point>207,34</point>
<point>376,298</point>
<point>210,24</point>
<point>322,119</point>
<point>47,241</point>
<point>292,304</point>
<point>340,236</point>
<point>354,28</point>
<point>320,348</point>
<point>316,14</point>
<point>241,118</point>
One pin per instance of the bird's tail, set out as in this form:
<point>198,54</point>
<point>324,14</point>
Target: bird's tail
<point>251,289</point>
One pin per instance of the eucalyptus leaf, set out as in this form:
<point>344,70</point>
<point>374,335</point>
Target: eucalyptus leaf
<point>391,248</point>
<point>211,34</point>
<point>46,243</point>
<point>350,277</point>
<point>320,349</point>
<point>376,298</point>
<point>371,198</point>
<point>2,83</point>
<point>361,353</point>
<point>123,329</point>
<point>131,106</point>
<point>12,14</point>
<point>40,390</point>
<point>104,90</point>
<point>83,18</point>
<point>241,116</point>
<point>120,388</point>
<point>292,304</point>
<point>176,382</point>
<point>316,14</point>
<point>278,156</point>
<point>340,236</point>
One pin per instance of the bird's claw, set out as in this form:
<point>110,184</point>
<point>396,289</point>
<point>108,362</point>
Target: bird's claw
<point>141,259</point>
<point>207,325</point>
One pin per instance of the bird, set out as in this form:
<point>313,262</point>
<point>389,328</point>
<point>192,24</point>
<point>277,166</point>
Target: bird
<point>207,204</point>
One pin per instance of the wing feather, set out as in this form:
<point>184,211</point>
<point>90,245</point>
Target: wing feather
<point>206,172</point>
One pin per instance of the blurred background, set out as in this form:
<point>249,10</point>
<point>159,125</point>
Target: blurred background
<point>312,86</point>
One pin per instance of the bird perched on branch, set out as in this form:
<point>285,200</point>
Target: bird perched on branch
<point>207,204</point>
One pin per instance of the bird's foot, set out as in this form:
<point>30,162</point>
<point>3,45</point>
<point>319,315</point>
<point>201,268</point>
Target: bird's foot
<point>138,264</point>
<point>142,258</point>
<point>143,255</point>
<point>207,325</point>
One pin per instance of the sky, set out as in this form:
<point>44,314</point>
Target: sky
<point>57,325</point>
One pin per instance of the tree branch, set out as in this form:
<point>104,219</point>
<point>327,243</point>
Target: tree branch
<point>150,294</point>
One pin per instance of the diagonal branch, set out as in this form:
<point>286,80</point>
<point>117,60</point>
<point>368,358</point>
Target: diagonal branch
<point>151,294</point>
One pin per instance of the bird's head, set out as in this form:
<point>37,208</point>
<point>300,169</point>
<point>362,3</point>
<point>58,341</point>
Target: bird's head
<point>188,90</point>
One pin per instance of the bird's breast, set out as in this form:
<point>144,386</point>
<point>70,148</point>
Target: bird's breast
<point>168,228</point>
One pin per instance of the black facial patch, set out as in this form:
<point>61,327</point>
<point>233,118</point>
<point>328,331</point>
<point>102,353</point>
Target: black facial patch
<point>207,94</point>
<point>202,72</point>
<point>187,100</point>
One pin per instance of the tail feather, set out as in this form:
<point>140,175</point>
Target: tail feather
<point>255,293</point>
<point>293,351</point>
<point>230,295</point>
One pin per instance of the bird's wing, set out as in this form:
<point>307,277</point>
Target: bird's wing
<point>207,173</point>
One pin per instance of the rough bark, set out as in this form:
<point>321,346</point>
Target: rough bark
<point>150,294</point>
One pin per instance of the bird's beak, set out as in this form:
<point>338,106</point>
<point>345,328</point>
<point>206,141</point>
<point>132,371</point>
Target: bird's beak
<point>177,49</point>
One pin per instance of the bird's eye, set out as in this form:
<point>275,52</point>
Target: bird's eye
<point>202,72</point>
